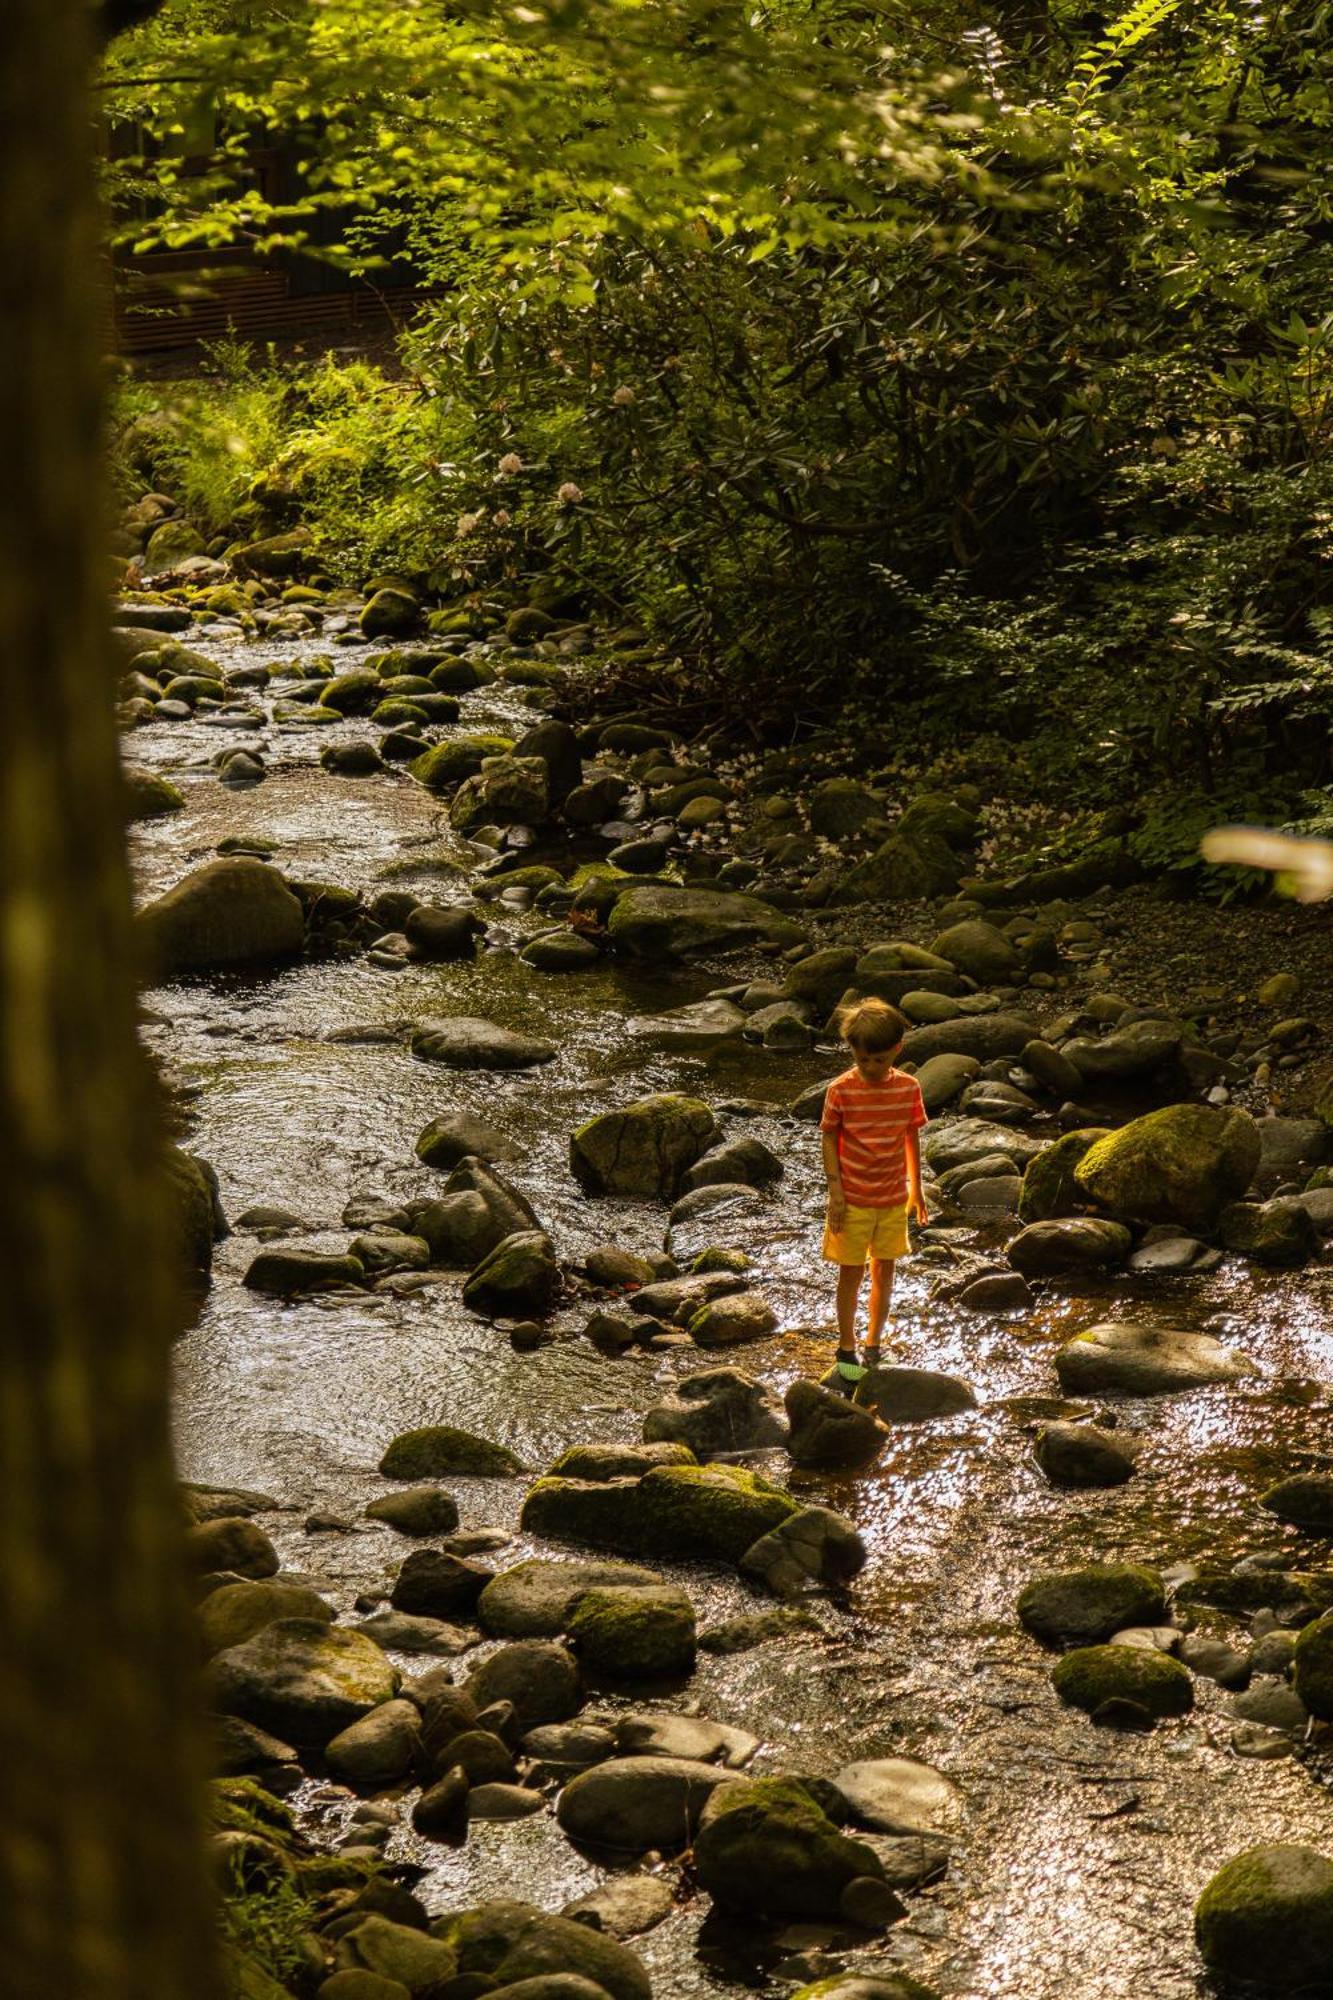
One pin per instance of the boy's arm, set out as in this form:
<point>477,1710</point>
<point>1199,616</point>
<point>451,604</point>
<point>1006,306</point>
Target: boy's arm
<point>837,1204</point>
<point>915,1203</point>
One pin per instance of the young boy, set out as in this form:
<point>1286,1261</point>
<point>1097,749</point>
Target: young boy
<point>872,1158</point>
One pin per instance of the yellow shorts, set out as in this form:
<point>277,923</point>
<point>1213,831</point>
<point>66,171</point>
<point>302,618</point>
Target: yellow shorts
<point>867,1232</point>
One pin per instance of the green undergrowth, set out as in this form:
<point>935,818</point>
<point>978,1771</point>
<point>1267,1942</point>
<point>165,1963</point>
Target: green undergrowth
<point>1175,665</point>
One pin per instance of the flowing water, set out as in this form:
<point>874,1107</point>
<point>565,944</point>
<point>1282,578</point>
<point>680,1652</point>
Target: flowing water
<point>1082,1850</point>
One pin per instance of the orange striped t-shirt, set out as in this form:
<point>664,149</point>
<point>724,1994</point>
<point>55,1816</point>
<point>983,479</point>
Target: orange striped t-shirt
<point>872,1121</point>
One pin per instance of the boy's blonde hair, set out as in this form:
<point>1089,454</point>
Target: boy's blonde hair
<point>871,1027</point>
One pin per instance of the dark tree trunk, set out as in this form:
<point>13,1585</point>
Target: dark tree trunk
<point>102,1873</point>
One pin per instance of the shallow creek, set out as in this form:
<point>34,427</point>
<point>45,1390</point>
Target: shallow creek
<point>1082,1849</point>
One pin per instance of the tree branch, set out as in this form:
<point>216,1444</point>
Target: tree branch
<point>114,17</point>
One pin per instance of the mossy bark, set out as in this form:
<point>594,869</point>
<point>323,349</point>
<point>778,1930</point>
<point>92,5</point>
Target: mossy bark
<point>102,1874</point>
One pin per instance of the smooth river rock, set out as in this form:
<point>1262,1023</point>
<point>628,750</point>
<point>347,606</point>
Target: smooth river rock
<point>637,1803</point>
<point>467,1043</point>
<point>900,1795</point>
<point>1117,1358</point>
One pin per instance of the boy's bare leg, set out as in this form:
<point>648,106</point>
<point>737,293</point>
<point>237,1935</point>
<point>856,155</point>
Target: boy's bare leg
<point>849,1293</point>
<point>881,1292</point>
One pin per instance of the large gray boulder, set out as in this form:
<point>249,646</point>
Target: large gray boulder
<point>1069,1246</point>
<point>655,922</point>
<point>1116,1358</point>
<point>235,911</point>
<point>985,1036</point>
<point>456,1136</point>
<point>827,1429</point>
<point>964,1140</point>
<point>1079,1454</point>
<point>1139,1050</point>
<point>379,1749</point>
<point>557,745</point>
<point>540,1678</point>
<point>644,1150</point>
<point>916,1395</point>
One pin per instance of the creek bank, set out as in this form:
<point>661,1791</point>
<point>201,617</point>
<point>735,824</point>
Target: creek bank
<point>1031,1053</point>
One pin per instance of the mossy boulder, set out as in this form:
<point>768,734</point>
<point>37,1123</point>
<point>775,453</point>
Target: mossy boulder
<point>170,544</point>
<point>1312,1667</point>
<point>1093,1676</point>
<point>821,977</point>
<point>506,791</point>
<point>1267,1918</point>
<point>1276,1233</point>
<point>234,911</point>
<point>283,1274</point>
<point>537,1598</point>
<point>716,1511</point>
<point>274,555</point>
<point>1304,1500</point>
<point>193,1207</point>
<point>390,614</point>
<point>981,951</point>
<point>234,1613</point>
<point>1049,1188</point>
<point>436,1449</point>
<point>765,1848</point>
<point>1181,1164</point>
<point>644,1150</point>
<point>302,1679</point>
<point>445,765</point>
<point>922,856</point>
<point>352,694</point>
<point>421,1510</point>
<point>711,1510</point>
<point>230,1544</point>
<point>728,1321</point>
<point>1080,1607</point>
<point>148,795</point>
<point>398,1953</point>
<point>505,1942</point>
<point>634,1633</point>
<point>519,1277</point>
